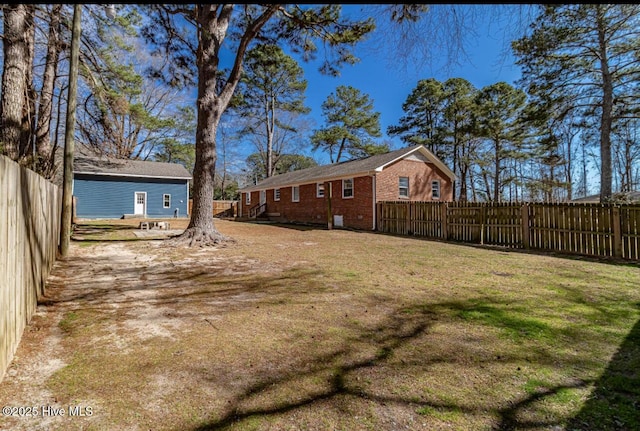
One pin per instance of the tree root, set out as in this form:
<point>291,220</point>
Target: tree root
<point>198,237</point>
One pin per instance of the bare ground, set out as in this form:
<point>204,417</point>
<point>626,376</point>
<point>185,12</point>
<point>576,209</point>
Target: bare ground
<point>295,328</point>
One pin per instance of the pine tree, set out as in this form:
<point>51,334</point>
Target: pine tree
<point>271,89</point>
<point>585,56</point>
<point>351,123</point>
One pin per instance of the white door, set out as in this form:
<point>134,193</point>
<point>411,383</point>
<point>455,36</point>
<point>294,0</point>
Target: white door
<point>140,205</point>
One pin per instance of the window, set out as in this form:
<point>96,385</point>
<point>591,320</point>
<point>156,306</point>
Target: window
<point>403,187</point>
<point>435,189</point>
<point>248,198</point>
<point>276,194</point>
<point>166,201</point>
<point>295,194</point>
<point>347,188</point>
<point>320,190</point>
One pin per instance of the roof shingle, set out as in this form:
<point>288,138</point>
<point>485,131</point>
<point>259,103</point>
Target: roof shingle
<point>126,167</point>
<point>343,169</point>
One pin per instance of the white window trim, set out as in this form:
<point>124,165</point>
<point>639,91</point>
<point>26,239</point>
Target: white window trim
<point>318,195</point>
<point>353,186</point>
<point>293,194</point>
<point>434,182</point>
<point>276,197</point>
<point>400,195</point>
<point>166,204</point>
<point>248,198</point>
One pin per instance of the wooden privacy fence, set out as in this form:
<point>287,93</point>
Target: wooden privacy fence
<point>221,208</point>
<point>29,230</point>
<point>576,228</point>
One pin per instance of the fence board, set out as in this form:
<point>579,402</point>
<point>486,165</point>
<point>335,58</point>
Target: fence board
<point>29,229</point>
<point>573,228</point>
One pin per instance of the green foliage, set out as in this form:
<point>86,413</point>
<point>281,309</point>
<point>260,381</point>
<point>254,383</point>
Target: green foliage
<point>351,125</point>
<point>256,169</point>
<point>176,152</point>
<point>230,191</point>
<point>423,122</point>
<point>301,25</point>
<point>269,100</point>
<point>180,148</point>
<point>127,116</point>
<point>271,78</point>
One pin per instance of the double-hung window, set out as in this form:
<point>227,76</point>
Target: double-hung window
<point>347,188</point>
<point>248,198</point>
<point>435,189</point>
<point>403,187</point>
<point>166,201</point>
<point>320,190</point>
<point>276,194</point>
<point>295,194</point>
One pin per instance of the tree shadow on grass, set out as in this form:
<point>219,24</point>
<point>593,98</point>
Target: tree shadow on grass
<point>337,369</point>
<point>330,376</point>
<point>615,402</point>
<point>618,389</point>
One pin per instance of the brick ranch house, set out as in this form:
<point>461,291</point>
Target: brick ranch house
<point>350,189</point>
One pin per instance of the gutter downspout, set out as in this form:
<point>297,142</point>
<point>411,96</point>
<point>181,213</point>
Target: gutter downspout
<point>373,182</point>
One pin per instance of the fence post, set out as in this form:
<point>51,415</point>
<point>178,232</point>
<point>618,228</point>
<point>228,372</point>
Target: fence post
<point>526,240</point>
<point>483,222</point>
<point>617,232</point>
<point>444,222</point>
<point>408,219</point>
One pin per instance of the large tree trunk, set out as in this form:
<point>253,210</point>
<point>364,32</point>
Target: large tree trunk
<point>213,23</point>
<point>14,78</point>
<point>29,107</point>
<point>44,148</point>
<point>606,177</point>
<point>201,229</point>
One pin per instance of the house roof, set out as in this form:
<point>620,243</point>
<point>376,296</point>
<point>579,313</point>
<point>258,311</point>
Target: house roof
<point>128,168</point>
<point>353,168</point>
<point>631,197</point>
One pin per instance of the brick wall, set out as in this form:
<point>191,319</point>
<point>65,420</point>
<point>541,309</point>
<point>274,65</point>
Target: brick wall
<point>357,212</point>
<point>420,175</point>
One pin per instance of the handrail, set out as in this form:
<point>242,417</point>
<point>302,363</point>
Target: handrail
<point>257,209</point>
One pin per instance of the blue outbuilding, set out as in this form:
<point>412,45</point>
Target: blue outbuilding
<point>117,188</point>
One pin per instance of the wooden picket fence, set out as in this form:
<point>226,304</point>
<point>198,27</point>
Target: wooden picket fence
<point>573,228</point>
<point>221,208</point>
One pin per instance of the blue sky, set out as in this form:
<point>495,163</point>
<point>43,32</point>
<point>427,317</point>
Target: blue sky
<point>489,61</point>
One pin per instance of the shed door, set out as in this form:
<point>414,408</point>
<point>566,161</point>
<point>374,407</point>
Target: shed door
<point>140,205</point>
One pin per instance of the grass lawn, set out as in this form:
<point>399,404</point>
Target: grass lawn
<point>293,328</point>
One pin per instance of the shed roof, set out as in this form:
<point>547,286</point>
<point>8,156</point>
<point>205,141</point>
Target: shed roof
<point>128,168</point>
<point>359,167</point>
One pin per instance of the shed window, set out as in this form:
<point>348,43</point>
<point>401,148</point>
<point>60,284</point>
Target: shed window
<point>347,188</point>
<point>295,194</point>
<point>276,194</point>
<point>403,187</point>
<point>320,190</point>
<point>435,189</point>
<point>166,201</point>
